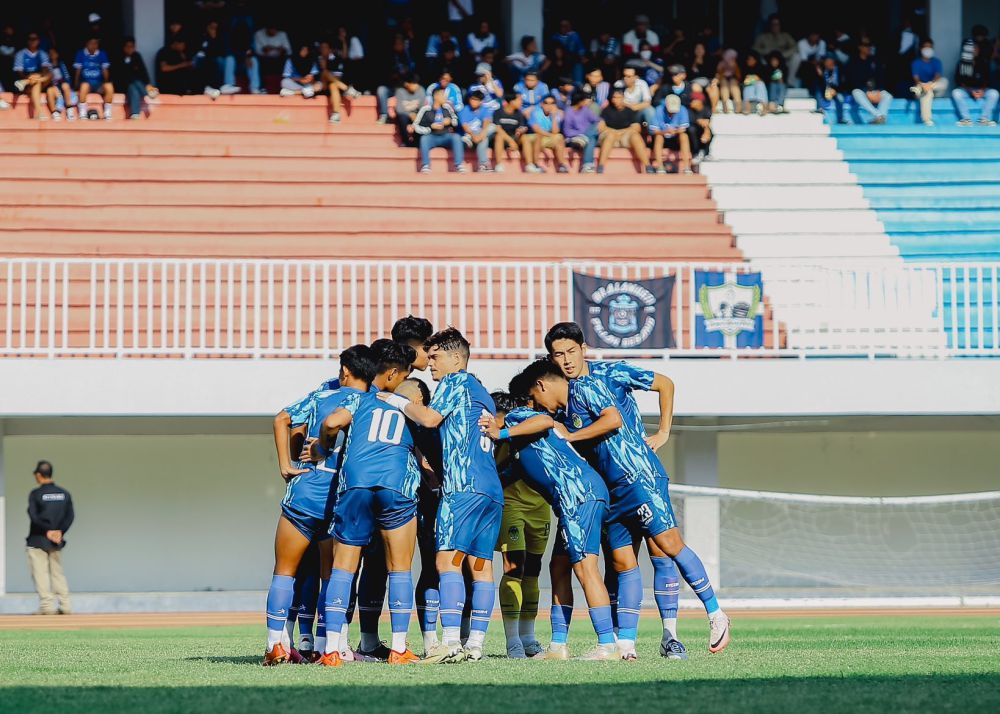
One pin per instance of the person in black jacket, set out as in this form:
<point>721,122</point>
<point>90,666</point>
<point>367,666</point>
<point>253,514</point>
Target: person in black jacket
<point>130,72</point>
<point>50,509</point>
<point>436,124</point>
<point>867,84</point>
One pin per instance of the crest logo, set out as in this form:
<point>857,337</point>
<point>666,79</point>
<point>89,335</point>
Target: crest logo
<point>729,308</point>
<point>577,421</point>
<point>622,313</point>
<point>513,533</point>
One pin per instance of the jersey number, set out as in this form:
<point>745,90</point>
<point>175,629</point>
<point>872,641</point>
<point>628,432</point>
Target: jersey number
<point>387,426</point>
<point>485,442</point>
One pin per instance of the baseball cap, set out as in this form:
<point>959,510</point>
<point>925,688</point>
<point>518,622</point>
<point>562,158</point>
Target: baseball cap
<point>93,17</point>
<point>483,68</point>
<point>673,103</point>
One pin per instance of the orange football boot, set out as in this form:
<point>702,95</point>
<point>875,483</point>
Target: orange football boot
<point>404,657</point>
<point>330,659</point>
<point>277,655</point>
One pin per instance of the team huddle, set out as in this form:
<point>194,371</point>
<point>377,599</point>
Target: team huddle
<point>377,467</point>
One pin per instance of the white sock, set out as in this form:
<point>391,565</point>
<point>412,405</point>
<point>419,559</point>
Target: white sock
<point>430,640</point>
<point>476,638</point>
<point>320,644</point>
<point>510,631</point>
<point>345,640</point>
<point>83,108</point>
<point>107,110</point>
<point>369,641</point>
<point>332,644</point>
<point>451,636</point>
<point>670,627</point>
<point>526,629</point>
<point>306,642</point>
<point>399,641</point>
<point>289,630</point>
<point>275,637</point>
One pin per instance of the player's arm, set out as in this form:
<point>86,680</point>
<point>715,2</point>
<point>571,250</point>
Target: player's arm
<point>422,415</point>
<point>318,449</point>
<point>609,420</point>
<point>282,434</point>
<point>664,387</point>
<point>534,425</point>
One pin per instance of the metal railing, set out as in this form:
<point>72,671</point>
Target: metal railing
<point>315,308</point>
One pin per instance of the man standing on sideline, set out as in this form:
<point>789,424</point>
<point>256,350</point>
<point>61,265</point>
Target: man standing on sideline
<point>50,509</point>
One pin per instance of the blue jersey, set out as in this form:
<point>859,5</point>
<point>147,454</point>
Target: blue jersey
<point>91,66</point>
<point>621,379</point>
<point>468,454</point>
<point>379,451</point>
<point>551,466</point>
<point>621,457</point>
<point>30,62</point>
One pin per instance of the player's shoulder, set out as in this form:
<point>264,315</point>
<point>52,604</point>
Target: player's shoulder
<point>519,414</point>
<point>590,387</point>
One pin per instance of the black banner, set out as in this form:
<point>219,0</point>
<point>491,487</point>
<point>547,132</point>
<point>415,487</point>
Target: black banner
<point>624,314</point>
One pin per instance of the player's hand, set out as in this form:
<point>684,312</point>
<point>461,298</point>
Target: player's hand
<point>560,429</point>
<point>54,536</point>
<point>657,440</point>
<point>289,472</point>
<point>488,426</point>
<point>309,450</point>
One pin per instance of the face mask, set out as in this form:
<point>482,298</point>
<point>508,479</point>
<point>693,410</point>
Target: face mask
<point>927,53</point>
<point>677,90</point>
<point>646,54</point>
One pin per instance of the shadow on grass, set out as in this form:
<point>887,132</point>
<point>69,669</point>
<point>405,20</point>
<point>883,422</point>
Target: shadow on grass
<point>968,693</point>
<point>242,659</point>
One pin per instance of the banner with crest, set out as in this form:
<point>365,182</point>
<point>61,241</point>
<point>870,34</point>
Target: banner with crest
<point>729,312</point>
<point>624,314</point>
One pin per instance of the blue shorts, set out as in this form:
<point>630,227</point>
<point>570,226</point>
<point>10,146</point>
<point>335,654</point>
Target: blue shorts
<point>639,510</point>
<point>360,511</point>
<point>315,528</point>
<point>308,503</point>
<point>469,523</point>
<point>580,533</point>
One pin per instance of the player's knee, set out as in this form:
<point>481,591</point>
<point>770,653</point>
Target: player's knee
<point>532,565</point>
<point>670,542</point>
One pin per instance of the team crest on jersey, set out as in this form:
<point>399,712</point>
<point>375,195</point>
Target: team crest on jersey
<point>577,421</point>
<point>622,313</point>
<point>513,532</point>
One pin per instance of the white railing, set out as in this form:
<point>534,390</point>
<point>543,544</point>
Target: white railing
<point>254,309</point>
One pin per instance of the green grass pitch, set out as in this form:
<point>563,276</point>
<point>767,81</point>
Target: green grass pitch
<point>842,664</point>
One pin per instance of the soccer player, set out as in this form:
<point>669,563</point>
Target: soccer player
<point>303,611</point>
<point>524,533</point>
<point>307,509</point>
<point>579,498</point>
<point>565,345</point>
<point>468,519</point>
<point>378,489</point>
<point>638,508</point>
<point>414,331</point>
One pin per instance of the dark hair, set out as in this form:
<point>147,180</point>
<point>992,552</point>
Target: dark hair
<point>425,393</point>
<point>578,96</point>
<point>411,78</point>
<point>563,331</point>
<point>504,402</point>
<point>389,354</point>
<point>449,340</point>
<point>44,469</point>
<point>531,73</point>
<point>519,387</point>
<point>566,80</point>
<point>127,39</point>
<point>525,41</point>
<point>410,328</point>
<point>476,94</point>
<point>360,362</point>
<point>510,96</point>
<point>539,369</point>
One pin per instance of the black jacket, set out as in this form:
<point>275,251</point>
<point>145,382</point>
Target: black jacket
<point>865,75</point>
<point>50,508</point>
<point>425,117</point>
<point>129,69</point>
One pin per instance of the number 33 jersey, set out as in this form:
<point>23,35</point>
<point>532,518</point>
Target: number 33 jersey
<point>379,452</point>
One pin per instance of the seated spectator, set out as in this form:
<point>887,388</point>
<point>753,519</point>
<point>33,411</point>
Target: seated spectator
<point>245,61</point>
<point>571,42</point>
<point>597,89</point>
<point>409,98</point>
<point>563,92</point>
<point>532,92</point>
<point>580,128</point>
<point>812,50</point>
<point>437,42</point>
<point>774,39</point>
<point>452,92</point>
<point>650,68</point>
<point>972,83</point>
<point>400,65</point>
<point>754,87</point>
<point>33,72</point>
<point>175,72</point>
<point>330,72</point>
<point>559,66</point>
<point>636,95</point>
<point>300,75</point>
<point>490,87</point>
<point>511,131</point>
<point>619,127</point>
<point>92,69</point>
<point>607,52</point>
<point>639,33</point>
<point>436,124</point>
<point>446,59</point>
<point>529,59</point>
<point>488,57</point>
<point>831,92</point>
<point>130,74</point>
<point>700,131</point>
<point>863,76</point>
<point>349,48</point>
<point>677,50</point>
<point>676,85</point>
<point>60,94</point>
<point>777,82</point>
<point>841,46</point>
<point>272,48</point>
<point>478,41</point>
<point>215,62</point>
<point>477,128</point>
<point>545,123</point>
<point>927,81</point>
<point>703,72</point>
<point>671,131</point>
<point>729,77</point>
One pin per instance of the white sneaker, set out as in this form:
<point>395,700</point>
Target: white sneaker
<point>602,652</point>
<point>382,118</point>
<point>107,114</point>
<point>534,169</point>
<point>20,84</point>
<point>718,638</point>
<point>57,115</point>
<point>212,92</point>
<point>230,89</point>
<point>352,93</point>
<point>473,653</point>
<point>285,92</point>
<point>444,654</point>
<point>533,649</point>
<point>135,116</point>
<point>335,118</point>
<point>499,168</point>
<point>71,114</point>
<point>557,651</point>
<point>425,169</point>
<point>4,104</point>
<point>308,92</point>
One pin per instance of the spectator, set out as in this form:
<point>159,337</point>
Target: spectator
<point>92,69</point>
<point>927,81</point>
<point>676,85</point>
<point>972,82</point>
<point>729,77</point>
<point>563,92</point>
<point>670,130</point>
<point>409,98</point>
<point>905,49</point>
<point>50,510</point>
<point>436,124</point>
<point>175,72</point>
<point>478,41</point>
<point>619,127</point>
<point>700,131</point>
<point>831,90</point>
<point>401,65</point>
<point>545,122</point>
<point>131,74</point>
<point>453,93</point>
<point>704,67</point>
<point>597,89</point>
<point>678,50</point>
<point>580,128</point>
<point>777,82</point>
<point>446,60</point>
<point>649,68</point>
<point>8,48</point>
<point>864,78</point>
<point>33,71</point>
<point>812,50</point>
<point>477,128</point>
<point>841,46</point>
<point>637,96</point>
<point>299,75</point>
<point>349,48</point>
<point>532,92</point>
<point>559,66</point>
<point>754,87</point>
<point>511,131</point>
<point>570,40</point>
<point>246,64</point>
<point>490,87</point>
<point>215,62</point>
<point>607,52</point>
<point>437,42</point>
<point>330,70</point>
<point>529,59</point>
<point>60,90</point>
<point>639,33</point>
<point>777,40</point>
<point>272,48</point>
<point>488,58</point>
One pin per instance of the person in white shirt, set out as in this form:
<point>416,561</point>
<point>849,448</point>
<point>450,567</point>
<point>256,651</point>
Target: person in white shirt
<point>272,47</point>
<point>476,42</point>
<point>639,34</point>
<point>638,98</point>
<point>812,50</point>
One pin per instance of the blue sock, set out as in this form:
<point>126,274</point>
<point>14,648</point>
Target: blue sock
<point>338,597</point>
<point>560,616</point>
<point>428,602</point>
<point>321,610</point>
<point>279,602</point>
<point>693,572</point>
<point>452,586</point>
<point>666,586</point>
<point>400,606</point>
<point>600,617</point>
<point>483,600</point>
<point>629,603</point>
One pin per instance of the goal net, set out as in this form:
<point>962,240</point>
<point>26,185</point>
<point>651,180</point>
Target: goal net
<point>796,545</point>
